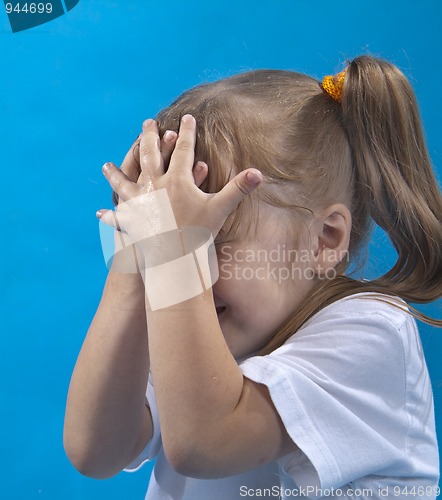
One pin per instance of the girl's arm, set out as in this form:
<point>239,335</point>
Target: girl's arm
<point>107,422</point>
<point>214,422</point>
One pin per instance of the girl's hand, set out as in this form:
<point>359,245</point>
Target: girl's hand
<point>131,163</point>
<point>160,200</point>
<point>125,257</point>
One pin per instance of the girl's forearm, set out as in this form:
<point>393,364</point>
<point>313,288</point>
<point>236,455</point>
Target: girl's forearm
<point>198,383</point>
<point>107,422</point>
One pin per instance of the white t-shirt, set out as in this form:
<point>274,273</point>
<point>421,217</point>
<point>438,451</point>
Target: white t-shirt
<point>353,391</point>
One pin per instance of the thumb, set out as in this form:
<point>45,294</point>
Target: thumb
<point>238,188</point>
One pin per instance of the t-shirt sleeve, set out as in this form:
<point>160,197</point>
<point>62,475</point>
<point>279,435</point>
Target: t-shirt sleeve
<point>153,446</point>
<point>340,387</point>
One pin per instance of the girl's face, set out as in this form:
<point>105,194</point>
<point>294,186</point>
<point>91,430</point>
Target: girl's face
<point>263,278</point>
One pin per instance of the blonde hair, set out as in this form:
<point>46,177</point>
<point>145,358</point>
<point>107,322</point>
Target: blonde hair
<point>368,151</point>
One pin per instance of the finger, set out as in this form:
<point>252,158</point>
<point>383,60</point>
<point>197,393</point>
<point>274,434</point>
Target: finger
<point>130,166</point>
<point>151,161</point>
<point>237,189</point>
<point>110,218</point>
<point>119,182</point>
<point>200,171</point>
<point>184,153</point>
<point>167,146</point>
<point>131,163</point>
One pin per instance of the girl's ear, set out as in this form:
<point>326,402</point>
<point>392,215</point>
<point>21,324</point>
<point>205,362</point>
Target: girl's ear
<point>330,237</point>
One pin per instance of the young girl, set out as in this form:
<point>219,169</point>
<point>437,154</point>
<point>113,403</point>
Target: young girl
<point>286,377</point>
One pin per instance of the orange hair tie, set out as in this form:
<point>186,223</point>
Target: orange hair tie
<point>333,85</point>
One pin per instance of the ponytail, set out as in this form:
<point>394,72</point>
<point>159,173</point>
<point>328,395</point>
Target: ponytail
<point>394,175</point>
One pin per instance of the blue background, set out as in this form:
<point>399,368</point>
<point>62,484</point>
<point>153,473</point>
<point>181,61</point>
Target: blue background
<point>73,94</point>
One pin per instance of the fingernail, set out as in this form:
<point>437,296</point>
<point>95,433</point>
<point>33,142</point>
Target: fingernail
<point>254,177</point>
<point>99,214</point>
<point>169,135</point>
<point>106,167</point>
<point>187,119</point>
<point>148,122</point>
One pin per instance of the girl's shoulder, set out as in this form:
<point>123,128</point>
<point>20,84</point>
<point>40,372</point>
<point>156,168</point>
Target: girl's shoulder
<point>367,306</point>
<point>371,322</point>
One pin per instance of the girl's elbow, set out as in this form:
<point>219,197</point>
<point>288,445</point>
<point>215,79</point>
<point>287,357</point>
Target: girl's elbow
<point>86,464</point>
<point>191,459</point>
<point>187,465</point>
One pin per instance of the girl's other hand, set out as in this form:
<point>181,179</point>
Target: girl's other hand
<point>131,163</point>
<point>144,210</point>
